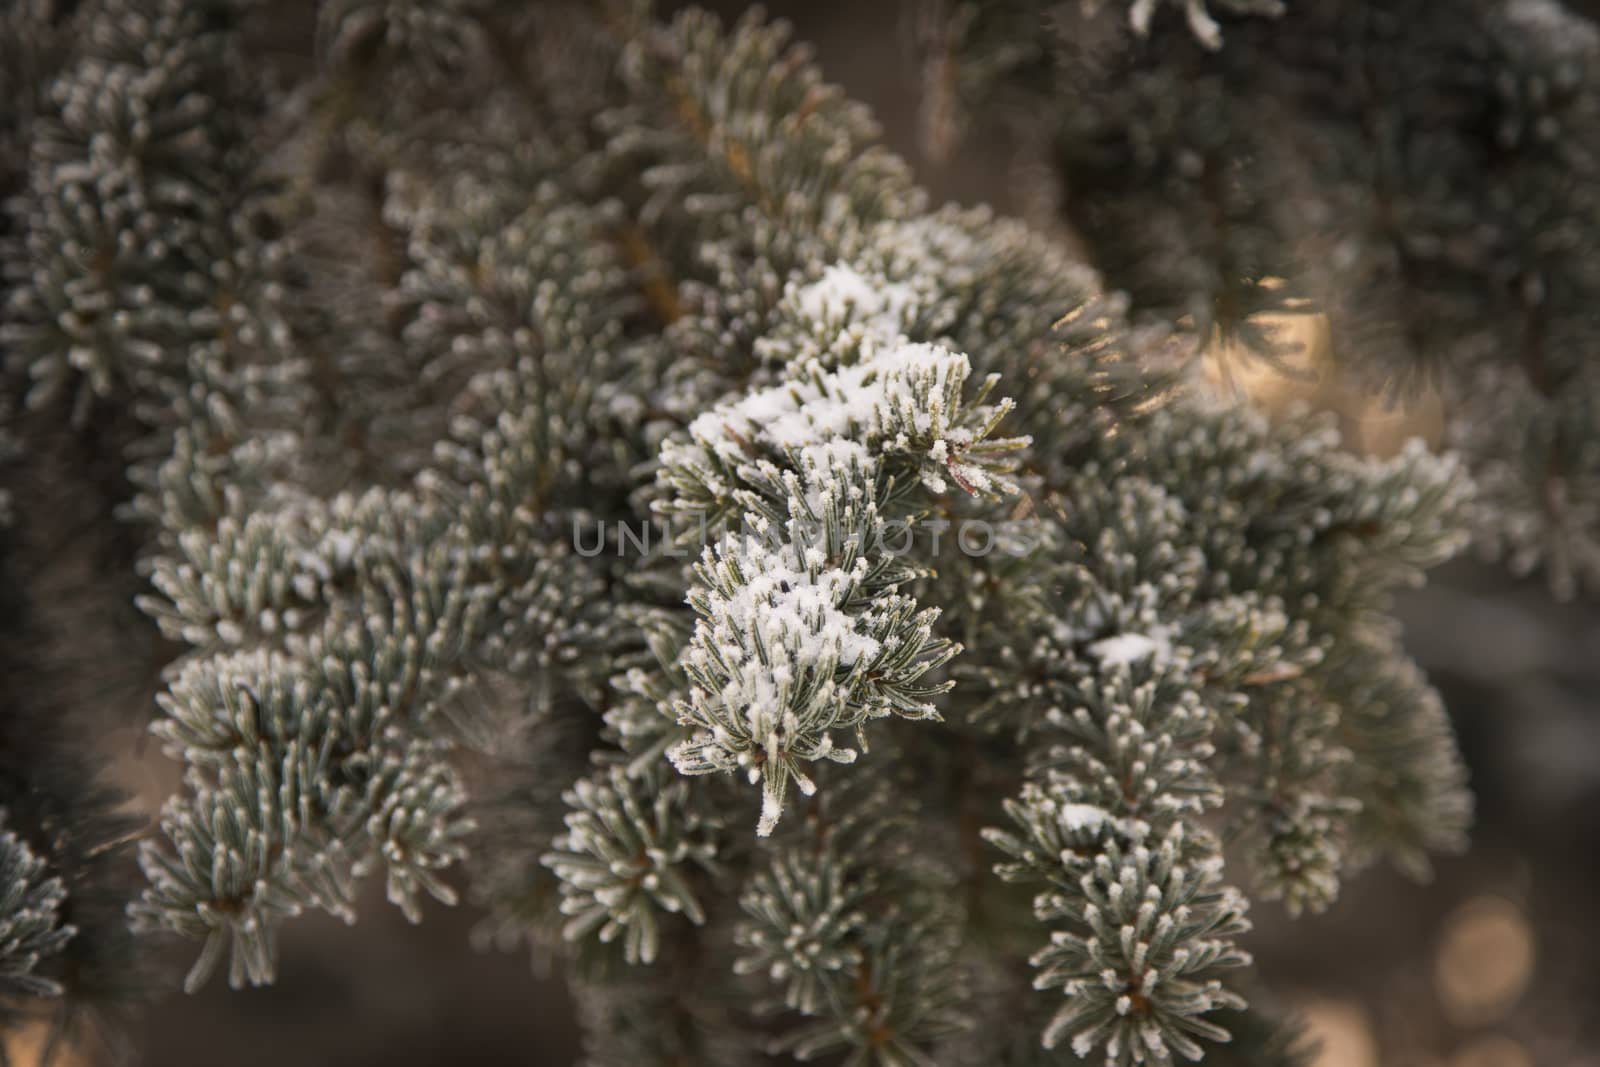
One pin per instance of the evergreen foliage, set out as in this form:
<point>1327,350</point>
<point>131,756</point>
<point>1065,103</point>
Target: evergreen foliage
<point>1423,174</point>
<point>32,928</point>
<point>826,621</point>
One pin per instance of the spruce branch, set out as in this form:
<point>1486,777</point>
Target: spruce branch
<point>627,853</point>
<point>31,928</point>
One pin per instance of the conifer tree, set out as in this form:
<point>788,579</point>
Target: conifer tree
<point>570,449</point>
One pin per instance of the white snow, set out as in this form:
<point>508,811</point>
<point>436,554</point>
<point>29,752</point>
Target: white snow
<point>1074,817</point>
<point>780,619</point>
<point>880,306</point>
<point>896,396</point>
<point>1123,648</point>
<point>876,398</point>
<point>791,606</point>
<point>1126,649</point>
<point>340,545</point>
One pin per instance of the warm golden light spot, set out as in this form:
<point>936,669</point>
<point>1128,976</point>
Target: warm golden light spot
<point>1309,377</point>
<point>25,1046</point>
<point>1484,962</point>
<point>1341,1031</point>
